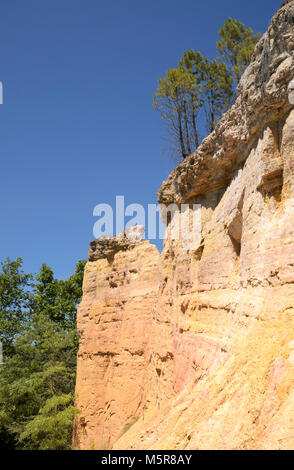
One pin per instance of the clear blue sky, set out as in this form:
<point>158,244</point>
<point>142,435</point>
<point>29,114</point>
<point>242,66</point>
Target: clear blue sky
<point>77,125</point>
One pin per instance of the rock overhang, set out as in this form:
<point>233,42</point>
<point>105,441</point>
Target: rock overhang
<point>265,94</point>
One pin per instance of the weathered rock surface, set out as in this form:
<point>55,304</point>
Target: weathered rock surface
<point>114,324</point>
<point>210,329</point>
<point>107,247</point>
<point>291,92</point>
<point>263,99</point>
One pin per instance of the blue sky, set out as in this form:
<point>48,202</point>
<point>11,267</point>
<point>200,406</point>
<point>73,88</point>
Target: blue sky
<point>77,125</point>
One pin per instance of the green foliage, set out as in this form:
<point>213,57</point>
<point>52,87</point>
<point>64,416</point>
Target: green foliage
<point>58,298</point>
<point>176,95</point>
<point>15,301</point>
<point>52,427</point>
<point>236,46</point>
<point>218,91</point>
<point>199,87</point>
<point>7,440</point>
<point>38,375</point>
<point>192,62</point>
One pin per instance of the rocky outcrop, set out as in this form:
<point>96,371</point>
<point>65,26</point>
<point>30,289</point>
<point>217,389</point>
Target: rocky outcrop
<point>114,324</point>
<point>263,100</point>
<point>213,324</point>
<point>107,247</point>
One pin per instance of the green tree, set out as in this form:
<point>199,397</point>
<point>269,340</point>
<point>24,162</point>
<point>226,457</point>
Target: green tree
<point>37,381</point>
<point>42,369</point>
<point>236,46</point>
<point>199,84</point>
<point>192,62</point>
<point>173,99</point>
<point>15,302</point>
<point>58,298</point>
<point>218,91</point>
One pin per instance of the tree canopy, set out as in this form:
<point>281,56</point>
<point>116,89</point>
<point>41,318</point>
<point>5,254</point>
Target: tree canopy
<point>37,377</point>
<point>192,97</point>
<point>236,46</point>
<point>218,91</point>
<point>177,99</point>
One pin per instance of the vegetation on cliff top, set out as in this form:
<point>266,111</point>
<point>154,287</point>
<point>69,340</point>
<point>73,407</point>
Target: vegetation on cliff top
<point>196,93</point>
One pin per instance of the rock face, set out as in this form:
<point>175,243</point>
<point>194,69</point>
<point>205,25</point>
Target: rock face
<point>291,92</point>
<point>107,247</point>
<point>114,323</point>
<point>194,349</point>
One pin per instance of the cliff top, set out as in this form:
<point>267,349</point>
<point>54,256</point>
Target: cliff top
<point>263,97</point>
<point>107,247</point>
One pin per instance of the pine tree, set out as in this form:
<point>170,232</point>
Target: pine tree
<point>218,91</point>
<point>192,62</point>
<point>236,46</point>
<point>175,99</point>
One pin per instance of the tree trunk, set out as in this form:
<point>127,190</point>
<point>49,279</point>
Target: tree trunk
<point>181,138</point>
<point>211,113</point>
<point>196,140</point>
<point>187,130</point>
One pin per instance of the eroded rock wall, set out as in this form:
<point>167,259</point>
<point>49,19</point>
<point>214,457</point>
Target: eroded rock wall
<point>232,336</point>
<point>216,322</point>
<point>114,324</point>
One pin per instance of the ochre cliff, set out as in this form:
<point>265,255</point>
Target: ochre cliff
<point>194,349</point>
<point>114,322</point>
